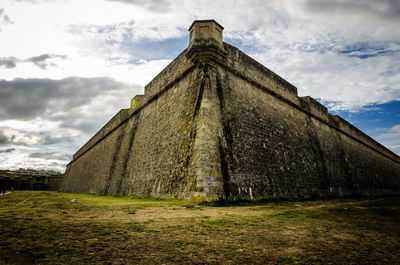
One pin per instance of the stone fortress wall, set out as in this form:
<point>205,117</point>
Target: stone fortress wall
<point>291,146</point>
<point>143,151</point>
<point>216,123</point>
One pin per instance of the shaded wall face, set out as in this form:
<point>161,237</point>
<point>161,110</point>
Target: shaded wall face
<point>265,156</point>
<point>369,172</point>
<point>274,149</point>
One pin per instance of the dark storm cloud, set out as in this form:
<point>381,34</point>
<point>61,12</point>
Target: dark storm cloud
<point>152,5</point>
<point>76,122</point>
<point>41,60</point>
<point>8,62</point>
<point>55,140</point>
<point>43,138</point>
<point>384,9</point>
<point>9,150</point>
<point>51,155</point>
<point>26,99</point>
<point>55,164</point>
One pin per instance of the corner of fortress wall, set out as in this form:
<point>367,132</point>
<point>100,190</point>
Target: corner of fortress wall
<point>216,123</point>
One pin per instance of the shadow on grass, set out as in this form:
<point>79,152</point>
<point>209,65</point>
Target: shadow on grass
<point>277,200</point>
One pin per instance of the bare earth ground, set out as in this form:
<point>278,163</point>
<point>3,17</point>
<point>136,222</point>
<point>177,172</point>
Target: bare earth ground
<point>46,228</point>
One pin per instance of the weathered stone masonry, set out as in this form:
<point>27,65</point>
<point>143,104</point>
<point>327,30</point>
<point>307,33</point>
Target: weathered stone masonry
<point>215,123</point>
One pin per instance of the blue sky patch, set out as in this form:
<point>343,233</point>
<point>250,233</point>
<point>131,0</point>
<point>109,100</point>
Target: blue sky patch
<point>364,50</point>
<point>154,50</point>
<point>372,119</point>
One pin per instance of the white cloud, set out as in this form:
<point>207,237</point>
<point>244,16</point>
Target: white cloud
<point>91,41</point>
<point>140,73</point>
<point>391,133</point>
<point>390,137</point>
<point>333,58</point>
<point>345,53</point>
<point>301,40</point>
<point>348,83</point>
<point>55,116</point>
<point>21,158</point>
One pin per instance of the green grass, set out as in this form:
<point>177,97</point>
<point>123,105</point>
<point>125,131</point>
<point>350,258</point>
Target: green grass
<point>46,228</point>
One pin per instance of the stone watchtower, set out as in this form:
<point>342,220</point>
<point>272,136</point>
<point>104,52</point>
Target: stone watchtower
<point>206,31</point>
<point>206,40</point>
<point>216,123</point>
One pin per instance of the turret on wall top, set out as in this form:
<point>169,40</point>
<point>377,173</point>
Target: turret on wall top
<point>206,41</point>
<point>201,30</point>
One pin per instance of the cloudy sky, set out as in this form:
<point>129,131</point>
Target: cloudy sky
<point>66,67</point>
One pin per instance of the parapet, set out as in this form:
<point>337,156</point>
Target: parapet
<point>136,101</point>
<point>314,105</point>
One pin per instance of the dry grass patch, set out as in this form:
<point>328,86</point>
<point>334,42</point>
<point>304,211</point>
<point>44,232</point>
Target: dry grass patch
<point>46,228</point>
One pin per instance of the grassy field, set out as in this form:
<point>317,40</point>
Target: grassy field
<point>46,228</point>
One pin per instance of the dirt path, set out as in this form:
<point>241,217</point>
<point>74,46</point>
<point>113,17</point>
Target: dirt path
<point>23,201</point>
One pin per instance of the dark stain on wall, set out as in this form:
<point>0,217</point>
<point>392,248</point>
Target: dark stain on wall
<point>127,154</point>
<point>114,159</point>
<point>224,143</point>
